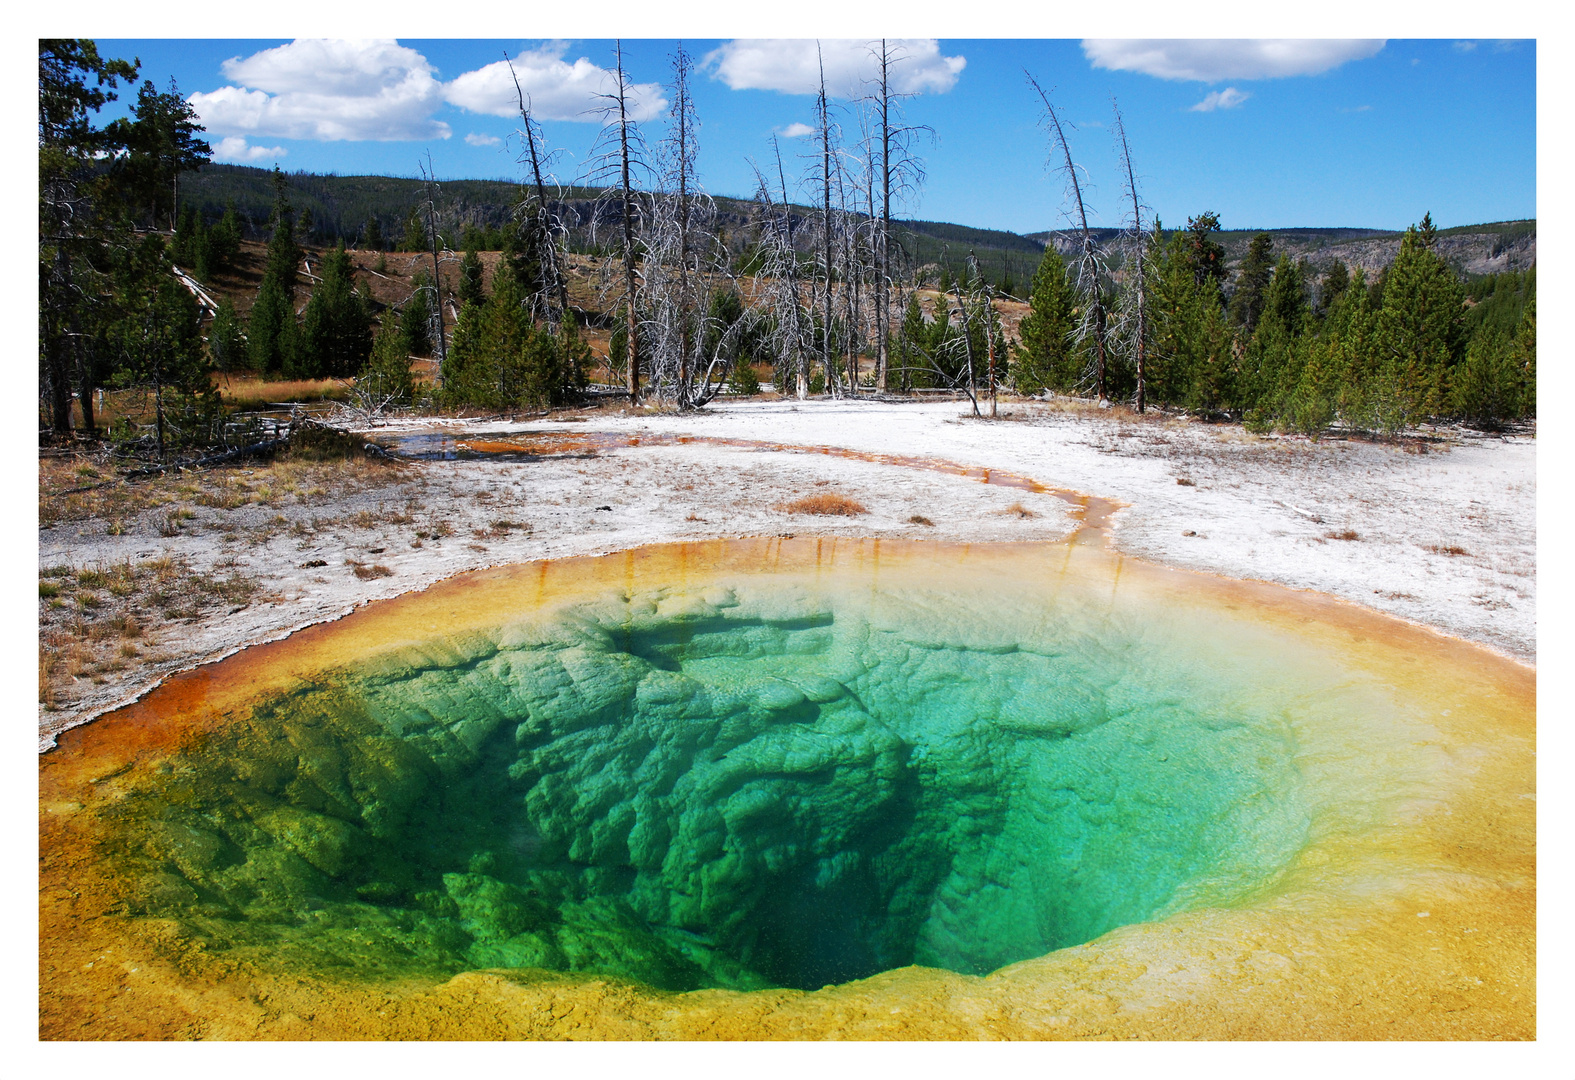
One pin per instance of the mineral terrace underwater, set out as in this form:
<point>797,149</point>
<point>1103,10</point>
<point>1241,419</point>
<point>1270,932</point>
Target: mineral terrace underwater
<point>807,788</point>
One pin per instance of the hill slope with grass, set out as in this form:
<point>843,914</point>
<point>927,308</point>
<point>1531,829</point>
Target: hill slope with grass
<point>341,206</point>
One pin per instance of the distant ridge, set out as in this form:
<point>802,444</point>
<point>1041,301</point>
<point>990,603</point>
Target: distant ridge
<point>341,205</point>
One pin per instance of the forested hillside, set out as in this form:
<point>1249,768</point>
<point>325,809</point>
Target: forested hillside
<point>336,208</point>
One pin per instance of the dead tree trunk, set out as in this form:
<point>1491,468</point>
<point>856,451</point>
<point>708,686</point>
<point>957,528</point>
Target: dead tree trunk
<point>1141,330</point>
<point>84,375</point>
<point>883,357</point>
<point>962,313</point>
<point>989,328</point>
<point>549,245</point>
<point>802,388</point>
<point>1088,262</point>
<point>825,227</point>
<point>437,275</point>
<point>851,271</point>
<point>681,111</point>
<point>60,364</point>
<point>878,283</point>
<point>632,321</point>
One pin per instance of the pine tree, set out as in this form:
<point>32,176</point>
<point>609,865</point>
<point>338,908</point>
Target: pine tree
<point>1526,357</point>
<point>463,350</point>
<point>910,347</point>
<point>157,345</point>
<point>1286,299</point>
<point>415,233</point>
<point>1202,254</point>
<point>272,337</point>
<point>1047,358</point>
<point>374,234</point>
<point>416,317</point>
<point>76,221</point>
<point>271,333</point>
<point>335,330</point>
<point>226,339</point>
<point>386,377</point>
<point>470,288</point>
<point>1191,363</point>
<point>1252,283</point>
<point>1332,288</point>
<point>223,244</point>
<point>1421,327</point>
<point>1271,368</point>
<point>945,348</point>
<point>1486,389</point>
<point>491,375</point>
<point>185,245</point>
<point>161,143</point>
<point>1364,399</point>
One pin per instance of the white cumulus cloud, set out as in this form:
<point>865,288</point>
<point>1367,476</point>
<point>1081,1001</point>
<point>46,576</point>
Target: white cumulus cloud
<point>796,130</point>
<point>474,139</point>
<point>235,148</point>
<point>792,65</point>
<point>554,88</point>
<point>328,91</point>
<point>1234,58</point>
<point>1228,98</point>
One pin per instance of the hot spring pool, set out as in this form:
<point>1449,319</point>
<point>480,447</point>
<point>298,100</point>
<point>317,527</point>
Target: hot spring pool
<point>751,768</point>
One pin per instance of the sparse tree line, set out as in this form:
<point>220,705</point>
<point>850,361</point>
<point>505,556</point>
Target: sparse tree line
<point>828,299</point>
<point>1292,350</point>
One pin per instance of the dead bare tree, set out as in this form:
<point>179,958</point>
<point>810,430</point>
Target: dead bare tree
<point>987,311</point>
<point>962,315</point>
<point>619,154</point>
<point>683,154</point>
<point>850,269</point>
<point>681,256</point>
<point>547,230</point>
<point>429,189</point>
<point>776,278</point>
<point>1090,261</point>
<point>1133,322</point>
<point>901,173</point>
<point>826,229</point>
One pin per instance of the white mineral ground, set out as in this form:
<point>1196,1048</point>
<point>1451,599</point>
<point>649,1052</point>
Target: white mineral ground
<point>1446,538</point>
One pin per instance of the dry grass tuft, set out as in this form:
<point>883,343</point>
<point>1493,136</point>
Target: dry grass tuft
<point>827,503</point>
<point>95,620</point>
<point>252,393</point>
<point>1343,534</point>
<point>367,573</point>
<point>1185,482</point>
<point>1447,549</point>
<point>920,519</point>
<point>1019,509</point>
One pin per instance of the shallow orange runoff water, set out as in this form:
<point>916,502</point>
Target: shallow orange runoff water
<point>1405,908</point>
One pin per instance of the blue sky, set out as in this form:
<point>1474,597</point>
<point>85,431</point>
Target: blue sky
<point>1294,133</point>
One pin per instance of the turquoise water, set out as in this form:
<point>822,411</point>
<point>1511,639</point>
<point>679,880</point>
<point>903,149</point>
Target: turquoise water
<point>744,784</point>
